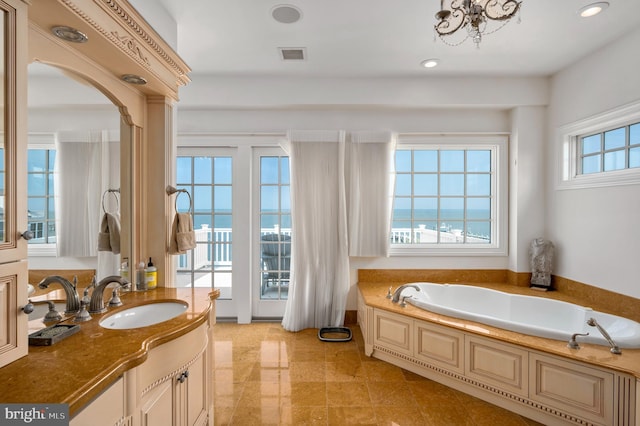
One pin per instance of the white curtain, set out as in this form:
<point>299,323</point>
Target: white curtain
<point>86,166</point>
<point>371,177</point>
<point>319,262</point>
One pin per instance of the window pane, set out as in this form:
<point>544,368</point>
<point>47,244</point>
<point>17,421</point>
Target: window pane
<point>222,199</point>
<point>479,232</point>
<point>479,161</point>
<point>403,161</point>
<point>425,184</point>
<point>634,134</point>
<point>591,164</point>
<point>614,139</point>
<point>285,199</point>
<point>634,157</point>
<point>425,209</point>
<point>36,160</point>
<point>222,221</point>
<point>403,184</point>
<point>451,161</point>
<point>269,221</point>
<point>269,199</point>
<point>36,184</point>
<point>269,170</point>
<point>614,160</point>
<point>425,161</point>
<point>222,170</point>
<point>183,170</point>
<point>401,209</point>
<point>452,184</point>
<point>52,208</point>
<point>201,219</point>
<point>478,184</point>
<point>284,171</point>
<point>202,199</point>
<point>451,208</point>
<point>591,144</point>
<point>478,208</point>
<point>202,170</point>
<point>36,208</point>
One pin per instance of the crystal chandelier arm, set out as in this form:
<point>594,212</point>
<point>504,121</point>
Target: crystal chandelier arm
<point>500,10</point>
<point>452,17</point>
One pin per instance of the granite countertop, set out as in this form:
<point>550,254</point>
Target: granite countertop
<point>79,367</point>
<point>628,362</point>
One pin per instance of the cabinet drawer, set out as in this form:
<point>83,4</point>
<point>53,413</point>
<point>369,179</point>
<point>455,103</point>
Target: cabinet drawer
<point>392,331</point>
<point>498,364</point>
<point>440,346</point>
<point>572,387</point>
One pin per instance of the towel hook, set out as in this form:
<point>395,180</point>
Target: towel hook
<point>172,190</point>
<point>115,193</point>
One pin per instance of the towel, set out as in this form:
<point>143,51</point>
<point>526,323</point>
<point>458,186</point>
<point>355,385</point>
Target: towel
<point>109,236</point>
<point>183,237</point>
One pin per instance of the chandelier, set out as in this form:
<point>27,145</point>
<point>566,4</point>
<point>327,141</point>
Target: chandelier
<point>474,15</point>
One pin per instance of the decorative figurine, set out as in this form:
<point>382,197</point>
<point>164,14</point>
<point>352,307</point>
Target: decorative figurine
<point>540,259</point>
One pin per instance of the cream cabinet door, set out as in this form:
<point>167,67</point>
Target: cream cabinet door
<point>13,199</point>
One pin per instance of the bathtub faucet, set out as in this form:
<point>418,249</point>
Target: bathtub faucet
<point>614,348</point>
<point>398,292</point>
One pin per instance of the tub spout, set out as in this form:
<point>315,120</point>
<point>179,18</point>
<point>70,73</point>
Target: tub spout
<point>398,292</point>
<point>614,348</point>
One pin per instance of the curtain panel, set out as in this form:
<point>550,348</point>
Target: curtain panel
<point>319,261</point>
<point>370,184</point>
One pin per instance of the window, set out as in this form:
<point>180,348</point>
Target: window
<point>450,197</point>
<point>208,179</point>
<point>275,227</point>
<point>601,151</point>
<point>614,149</point>
<point>41,195</point>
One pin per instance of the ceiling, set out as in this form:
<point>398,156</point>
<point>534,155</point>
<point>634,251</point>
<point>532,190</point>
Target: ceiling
<point>384,38</point>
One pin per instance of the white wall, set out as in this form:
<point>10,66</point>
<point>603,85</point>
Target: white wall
<point>596,231</point>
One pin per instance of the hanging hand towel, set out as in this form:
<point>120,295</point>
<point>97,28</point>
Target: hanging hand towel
<point>183,237</point>
<point>109,236</point>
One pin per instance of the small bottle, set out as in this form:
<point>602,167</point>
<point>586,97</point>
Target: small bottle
<point>152,275</point>
<point>124,269</point>
<point>141,279</point>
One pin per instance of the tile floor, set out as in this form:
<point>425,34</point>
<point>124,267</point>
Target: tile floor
<point>265,375</point>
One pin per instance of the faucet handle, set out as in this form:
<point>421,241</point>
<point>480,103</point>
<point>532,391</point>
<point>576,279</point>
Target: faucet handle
<point>403,303</point>
<point>573,344</point>
<point>389,294</point>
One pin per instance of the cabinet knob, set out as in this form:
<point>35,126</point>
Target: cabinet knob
<point>27,235</point>
<point>28,308</point>
<point>183,376</point>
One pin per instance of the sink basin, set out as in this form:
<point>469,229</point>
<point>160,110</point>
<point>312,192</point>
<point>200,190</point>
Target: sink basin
<point>143,315</point>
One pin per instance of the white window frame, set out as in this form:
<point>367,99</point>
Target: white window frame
<point>498,144</point>
<point>42,141</point>
<point>569,150</point>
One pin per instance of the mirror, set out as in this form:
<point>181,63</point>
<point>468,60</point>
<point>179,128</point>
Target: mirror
<point>74,174</point>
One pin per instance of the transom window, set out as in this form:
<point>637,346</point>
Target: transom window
<point>614,149</point>
<point>450,197</point>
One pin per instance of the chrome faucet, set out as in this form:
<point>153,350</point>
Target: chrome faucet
<point>96,305</point>
<point>398,292</point>
<point>614,348</point>
<point>73,300</point>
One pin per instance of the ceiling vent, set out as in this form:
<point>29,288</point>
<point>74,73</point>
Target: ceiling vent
<point>292,53</point>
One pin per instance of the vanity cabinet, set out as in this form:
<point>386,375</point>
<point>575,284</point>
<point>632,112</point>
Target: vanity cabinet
<point>173,383</point>
<point>13,200</point>
<point>107,409</point>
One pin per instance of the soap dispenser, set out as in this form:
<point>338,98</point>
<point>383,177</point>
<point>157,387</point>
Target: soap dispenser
<point>151,273</point>
<point>141,279</point>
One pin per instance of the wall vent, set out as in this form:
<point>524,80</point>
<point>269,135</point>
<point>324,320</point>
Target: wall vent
<point>292,53</point>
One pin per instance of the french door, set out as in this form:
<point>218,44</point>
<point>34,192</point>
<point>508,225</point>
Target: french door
<point>242,221</point>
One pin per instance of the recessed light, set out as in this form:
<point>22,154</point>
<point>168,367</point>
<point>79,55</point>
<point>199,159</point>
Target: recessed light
<point>133,79</point>
<point>286,13</point>
<point>593,9</point>
<point>69,34</point>
<point>430,63</point>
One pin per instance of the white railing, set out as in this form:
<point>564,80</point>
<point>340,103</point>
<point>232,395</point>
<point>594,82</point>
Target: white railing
<point>219,254</point>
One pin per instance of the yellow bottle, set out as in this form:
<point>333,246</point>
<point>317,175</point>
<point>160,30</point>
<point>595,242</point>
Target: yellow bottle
<point>151,275</point>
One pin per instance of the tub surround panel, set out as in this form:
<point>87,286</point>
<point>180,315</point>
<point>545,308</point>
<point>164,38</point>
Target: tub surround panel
<point>80,367</point>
